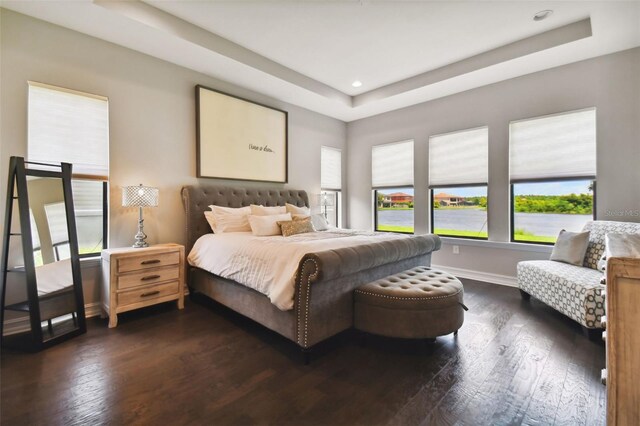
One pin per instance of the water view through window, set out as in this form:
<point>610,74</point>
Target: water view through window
<point>542,210</point>
<point>460,211</point>
<point>394,210</point>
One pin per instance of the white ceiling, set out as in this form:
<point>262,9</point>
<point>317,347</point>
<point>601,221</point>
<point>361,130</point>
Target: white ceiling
<point>308,53</point>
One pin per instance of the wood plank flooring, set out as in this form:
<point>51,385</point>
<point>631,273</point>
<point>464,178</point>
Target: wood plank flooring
<point>513,362</point>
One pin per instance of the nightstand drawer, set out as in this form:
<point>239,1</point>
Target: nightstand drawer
<point>150,276</point>
<point>144,294</point>
<point>136,263</point>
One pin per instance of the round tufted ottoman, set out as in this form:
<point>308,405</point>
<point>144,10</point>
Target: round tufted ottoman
<point>419,303</point>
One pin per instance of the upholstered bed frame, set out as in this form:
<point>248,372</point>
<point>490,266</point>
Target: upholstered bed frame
<point>324,282</point>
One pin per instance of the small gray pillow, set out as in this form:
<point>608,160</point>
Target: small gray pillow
<point>570,247</point>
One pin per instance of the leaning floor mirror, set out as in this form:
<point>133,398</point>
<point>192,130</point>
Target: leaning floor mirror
<point>42,300</point>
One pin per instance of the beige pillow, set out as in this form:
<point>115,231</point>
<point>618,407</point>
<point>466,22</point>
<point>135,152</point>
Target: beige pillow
<point>211,220</point>
<point>570,247</point>
<point>266,211</point>
<point>264,226</point>
<point>297,210</point>
<point>230,210</point>
<point>230,219</point>
<point>293,227</point>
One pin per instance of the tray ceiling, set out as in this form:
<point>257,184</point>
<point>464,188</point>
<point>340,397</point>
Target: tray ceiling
<point>309,53</point>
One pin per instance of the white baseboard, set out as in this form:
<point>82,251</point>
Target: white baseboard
<point>488,277</point>
<point>21,325</point>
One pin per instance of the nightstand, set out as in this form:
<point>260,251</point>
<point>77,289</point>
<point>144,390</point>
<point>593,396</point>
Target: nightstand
<point>133,278</point>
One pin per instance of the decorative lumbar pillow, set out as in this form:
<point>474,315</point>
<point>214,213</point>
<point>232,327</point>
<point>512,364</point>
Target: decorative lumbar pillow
<point>229,219</point>
<point>319,222</point>
<point>570,247</point>
<point>293,227</point>
<point>297,210</point>
<point>264,226</point>
<point>266,211</point>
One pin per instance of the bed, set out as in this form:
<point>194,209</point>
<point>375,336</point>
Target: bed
<point>323,281</point>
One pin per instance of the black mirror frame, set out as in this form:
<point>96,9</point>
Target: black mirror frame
<point>18,172</point>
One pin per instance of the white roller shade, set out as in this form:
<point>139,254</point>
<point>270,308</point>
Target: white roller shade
<point>459,158</point>
<point>557,146</point>
<point>330,168</point>
<point>68,126</point>
<point>392,164</point>
<point>57,220</point>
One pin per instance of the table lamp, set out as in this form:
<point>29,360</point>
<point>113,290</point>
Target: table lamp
<point>140,196</point>
<point>326,200</point>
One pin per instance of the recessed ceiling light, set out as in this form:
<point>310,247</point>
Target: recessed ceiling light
<point>543,14</point>
<point>356,83</point>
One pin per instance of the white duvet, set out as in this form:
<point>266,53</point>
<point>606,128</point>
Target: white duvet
<point>269,264</point>
<point>54,276</point>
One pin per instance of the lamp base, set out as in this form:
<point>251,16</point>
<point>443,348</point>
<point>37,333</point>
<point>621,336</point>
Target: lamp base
<point>140,243</point>
<point>141,237</point>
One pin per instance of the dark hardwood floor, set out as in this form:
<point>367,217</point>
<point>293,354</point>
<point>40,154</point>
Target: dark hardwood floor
<point>513,362</point>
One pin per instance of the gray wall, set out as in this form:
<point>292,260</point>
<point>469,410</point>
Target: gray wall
<point>610,83</point>
<point>152,120</point>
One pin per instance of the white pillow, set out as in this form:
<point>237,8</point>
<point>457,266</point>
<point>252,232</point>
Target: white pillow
<point>319,222</point>
<point>263,226</point>
<point>230,219</point>
<point>297,210</point>
<point>266,211</point>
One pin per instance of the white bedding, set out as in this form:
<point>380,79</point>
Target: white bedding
<point>269,264</point>
<point>54,276</point>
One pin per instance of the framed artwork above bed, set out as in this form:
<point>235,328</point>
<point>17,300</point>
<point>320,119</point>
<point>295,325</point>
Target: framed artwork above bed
<point>239,139</point>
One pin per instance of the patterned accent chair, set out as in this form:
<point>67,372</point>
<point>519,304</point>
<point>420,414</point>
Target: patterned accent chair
<point>575,291</point>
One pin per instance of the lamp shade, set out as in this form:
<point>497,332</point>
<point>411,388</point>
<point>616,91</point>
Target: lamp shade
<point>139,196</point>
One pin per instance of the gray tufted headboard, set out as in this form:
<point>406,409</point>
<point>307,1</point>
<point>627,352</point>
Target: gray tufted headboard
<point>197,199</point>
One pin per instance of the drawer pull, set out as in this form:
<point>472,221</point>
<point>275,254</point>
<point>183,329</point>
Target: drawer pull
<point>150,262</point>
<point>151,293</point>
<point>149,277</point>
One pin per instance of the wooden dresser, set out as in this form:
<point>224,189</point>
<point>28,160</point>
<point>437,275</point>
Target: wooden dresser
<point>137,277</point>
<point>622,324</point>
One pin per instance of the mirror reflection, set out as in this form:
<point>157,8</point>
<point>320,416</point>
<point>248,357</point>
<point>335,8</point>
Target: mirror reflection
<point>51,254</point>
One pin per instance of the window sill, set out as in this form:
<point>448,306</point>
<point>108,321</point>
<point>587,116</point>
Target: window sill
<point>537,248</point>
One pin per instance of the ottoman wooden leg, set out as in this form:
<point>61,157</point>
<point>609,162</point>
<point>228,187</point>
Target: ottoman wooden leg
<point>430,340</point>
<point>525,296</point>
<point>455,333</point>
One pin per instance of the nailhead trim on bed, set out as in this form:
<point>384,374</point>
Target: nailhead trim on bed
<point>306,305</point>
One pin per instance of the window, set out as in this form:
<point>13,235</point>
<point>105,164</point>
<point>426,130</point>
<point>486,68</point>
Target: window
<point>392,179</point>
<point>553,170</point>
<point>458,178</point>
<point>73,127</point>
<point>331,184</point>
